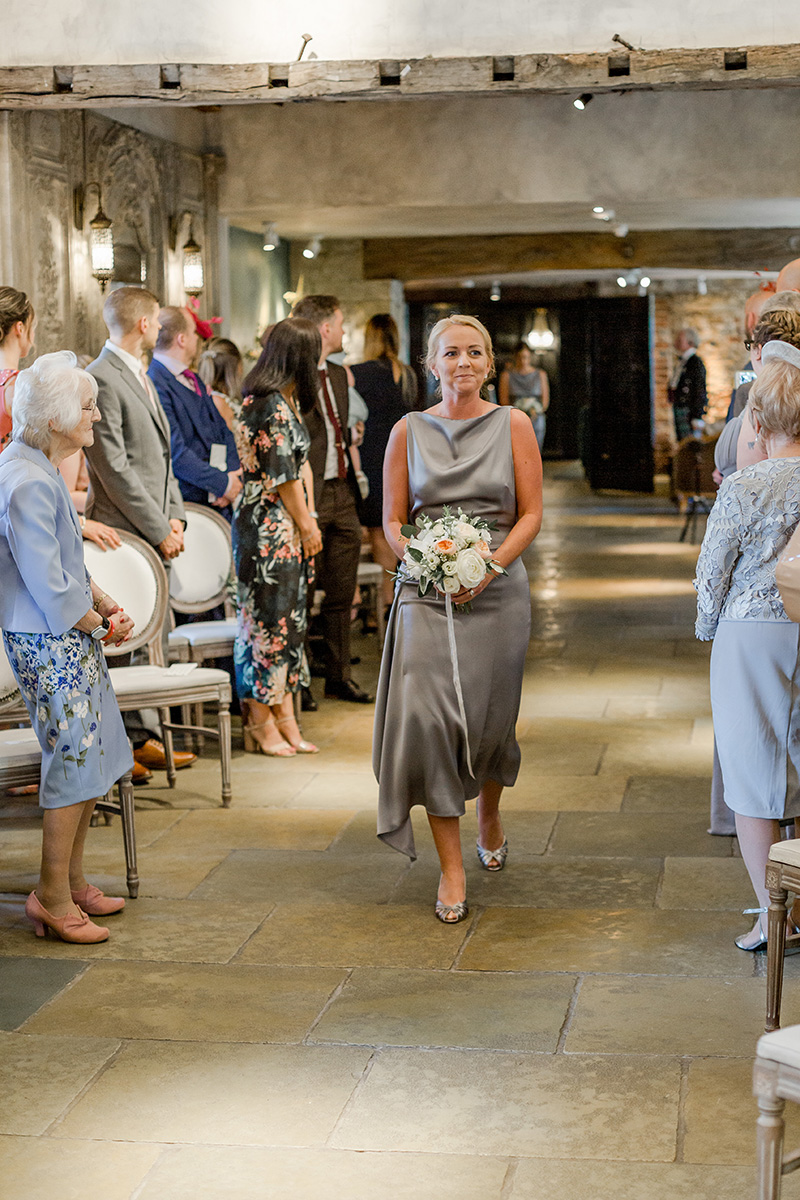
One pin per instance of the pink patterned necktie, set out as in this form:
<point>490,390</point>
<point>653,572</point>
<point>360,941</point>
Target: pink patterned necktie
<point>193,380</point>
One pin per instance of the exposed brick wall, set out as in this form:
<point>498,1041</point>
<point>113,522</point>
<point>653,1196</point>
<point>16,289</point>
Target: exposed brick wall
<point>718,319</point>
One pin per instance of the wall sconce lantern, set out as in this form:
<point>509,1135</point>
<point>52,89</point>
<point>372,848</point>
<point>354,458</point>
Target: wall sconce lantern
<point>192,266</point>
<point>193,274</point>
<point>541,336</point>
<point>101,235</point>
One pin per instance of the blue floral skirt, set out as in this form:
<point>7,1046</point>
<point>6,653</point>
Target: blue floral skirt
<point>64,683</point>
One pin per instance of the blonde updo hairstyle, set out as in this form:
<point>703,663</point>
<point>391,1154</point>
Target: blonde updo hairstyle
<point>14,306</point>
<point>458,319</point>
<point>775,399</point>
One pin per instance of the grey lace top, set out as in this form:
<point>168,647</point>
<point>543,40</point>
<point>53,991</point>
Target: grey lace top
<point>755,514</point>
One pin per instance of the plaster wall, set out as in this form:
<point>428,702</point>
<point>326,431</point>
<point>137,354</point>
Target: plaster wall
<point>337,271</point>
<point>69,31</point>
<point>321,168</point>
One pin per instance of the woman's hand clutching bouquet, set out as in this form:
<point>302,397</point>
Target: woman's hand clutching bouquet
<point>450,554</point>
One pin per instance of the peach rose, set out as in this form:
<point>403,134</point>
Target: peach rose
<point>481,548</point>
<point>445,546</point>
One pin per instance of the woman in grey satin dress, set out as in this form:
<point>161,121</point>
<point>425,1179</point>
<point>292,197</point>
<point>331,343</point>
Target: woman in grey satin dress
<point>469,453</point>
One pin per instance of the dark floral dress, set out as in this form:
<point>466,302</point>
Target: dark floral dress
<point>273,578</point>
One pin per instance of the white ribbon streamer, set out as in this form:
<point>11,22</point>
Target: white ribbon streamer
<point>451,635</point>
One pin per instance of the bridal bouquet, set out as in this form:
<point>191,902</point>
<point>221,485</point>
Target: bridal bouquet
<point>450,553</point>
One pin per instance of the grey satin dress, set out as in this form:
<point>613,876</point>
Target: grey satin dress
<point>419,748</point>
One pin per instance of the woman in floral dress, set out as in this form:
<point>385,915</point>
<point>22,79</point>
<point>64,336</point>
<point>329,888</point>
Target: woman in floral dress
<point>275,537</point>
<point>53,618</point>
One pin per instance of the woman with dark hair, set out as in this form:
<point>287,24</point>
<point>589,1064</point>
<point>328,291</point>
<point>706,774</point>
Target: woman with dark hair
<point>221,369</point>
<point>17,327</point>
<point>389,389</point>
<point>275,537</point>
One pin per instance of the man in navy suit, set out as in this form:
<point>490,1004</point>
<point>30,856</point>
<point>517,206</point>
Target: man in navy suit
<point>204,456</point>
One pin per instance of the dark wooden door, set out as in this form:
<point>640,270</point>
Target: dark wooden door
<point>619,451</point>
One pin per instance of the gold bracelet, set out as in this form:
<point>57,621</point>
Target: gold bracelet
<point>103,596</point>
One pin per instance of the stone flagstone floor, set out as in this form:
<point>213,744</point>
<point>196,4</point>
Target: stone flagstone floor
<point>280,1016</point>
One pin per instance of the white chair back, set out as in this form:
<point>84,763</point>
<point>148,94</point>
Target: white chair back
<point>135,577</point>
<point>199,576</point>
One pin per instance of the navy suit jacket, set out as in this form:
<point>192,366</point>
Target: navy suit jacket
<point>195,425</point>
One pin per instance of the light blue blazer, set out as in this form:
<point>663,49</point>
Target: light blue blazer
<point>44,584</point>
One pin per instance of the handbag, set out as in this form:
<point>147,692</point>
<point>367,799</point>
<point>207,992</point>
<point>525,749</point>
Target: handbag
<point>787,576</point>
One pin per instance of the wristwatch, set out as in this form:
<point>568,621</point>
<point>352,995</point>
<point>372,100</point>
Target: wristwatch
<point>100,631</point>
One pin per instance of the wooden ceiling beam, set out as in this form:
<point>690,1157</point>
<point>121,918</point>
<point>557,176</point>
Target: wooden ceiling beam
<point>523,74</point>
<point>500,254</point>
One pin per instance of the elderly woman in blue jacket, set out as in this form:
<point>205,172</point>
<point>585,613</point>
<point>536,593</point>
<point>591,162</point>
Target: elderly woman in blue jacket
<point>54,619</point>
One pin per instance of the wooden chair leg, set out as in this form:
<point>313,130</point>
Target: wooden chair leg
<point>186,719</point>
<point>200,741</point>
<point>769,1147</point>
<point>224,727</point>
<point>776,946</point>
<point>126,808</point>
<point>169,749</point>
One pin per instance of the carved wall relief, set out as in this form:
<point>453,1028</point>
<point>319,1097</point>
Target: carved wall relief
<point>146,183</point>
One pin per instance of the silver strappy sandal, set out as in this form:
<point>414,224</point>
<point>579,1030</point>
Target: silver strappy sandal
<point>499,856</point>
<point>451,914</point>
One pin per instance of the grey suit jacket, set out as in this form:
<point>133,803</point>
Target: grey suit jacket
<point>131,485</point>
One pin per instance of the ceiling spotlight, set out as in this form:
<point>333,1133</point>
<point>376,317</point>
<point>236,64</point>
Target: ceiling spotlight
<point>622,281</point>
<point>313,248</point>
<point>645,281</point>
<point>603,214</point>
<point>582,100</point>
<point>494,294</point>
<point>468,283</point>
<point>702,286</point>
<point>598,210</point>
<point>621,230</point>
<point>271,239</point>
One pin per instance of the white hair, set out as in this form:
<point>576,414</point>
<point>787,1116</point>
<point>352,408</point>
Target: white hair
<point>47,398</point>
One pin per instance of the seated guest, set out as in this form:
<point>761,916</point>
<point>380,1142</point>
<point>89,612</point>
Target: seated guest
<point>755,660</point>
<point>221,369</point>
<point>275,538</point>
<point>17,327</point>
<point>204,456</point>
<point>53,619</point>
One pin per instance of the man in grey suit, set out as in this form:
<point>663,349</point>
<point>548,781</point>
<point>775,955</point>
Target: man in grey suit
<point>131,484</point>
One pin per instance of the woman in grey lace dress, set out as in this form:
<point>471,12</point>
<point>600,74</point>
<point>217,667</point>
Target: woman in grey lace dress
<point>755,667</point>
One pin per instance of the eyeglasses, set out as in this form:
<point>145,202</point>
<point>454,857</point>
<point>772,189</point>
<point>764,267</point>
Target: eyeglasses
<point>90,408</point>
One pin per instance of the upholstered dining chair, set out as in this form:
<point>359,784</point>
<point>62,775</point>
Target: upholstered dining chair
<point>776,1079</point>
<point>783,876</point>
<point>21,761</point>
<point>198,582</point>
<point>134,575</point>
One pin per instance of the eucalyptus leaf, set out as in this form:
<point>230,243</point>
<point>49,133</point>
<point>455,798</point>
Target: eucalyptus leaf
<point>408,531</point>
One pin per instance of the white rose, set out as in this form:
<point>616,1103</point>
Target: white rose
<point>467,533</point>
<point>449,567</point>
<point>438,530</point>
<point>450,584</point>
<point>414,570</point>
<point>470,568</point>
